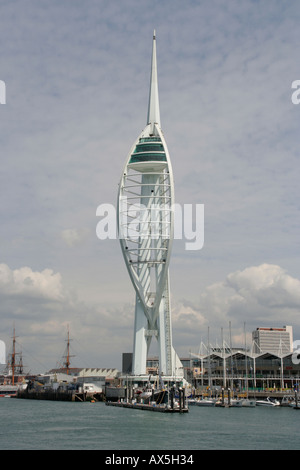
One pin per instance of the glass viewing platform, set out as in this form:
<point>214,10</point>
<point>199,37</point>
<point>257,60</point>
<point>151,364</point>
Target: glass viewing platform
<point>148,149</point>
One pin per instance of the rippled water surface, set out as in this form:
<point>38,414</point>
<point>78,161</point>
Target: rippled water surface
<point>34,424</point>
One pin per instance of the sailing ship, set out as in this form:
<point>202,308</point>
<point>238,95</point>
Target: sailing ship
<point>14,378</point>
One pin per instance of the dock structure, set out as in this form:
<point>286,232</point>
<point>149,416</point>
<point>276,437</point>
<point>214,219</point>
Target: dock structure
<point>297,404</point>
<point>161,397</point>
<point>150,407</point>
<point>63,395</point>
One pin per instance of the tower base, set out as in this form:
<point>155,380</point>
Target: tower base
<point>141,381</point>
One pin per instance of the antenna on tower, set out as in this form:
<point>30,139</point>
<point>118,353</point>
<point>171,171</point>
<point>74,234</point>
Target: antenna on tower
<point>153,116</point>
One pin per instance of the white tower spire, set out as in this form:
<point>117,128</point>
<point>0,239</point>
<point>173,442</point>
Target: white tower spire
<point>146,225</point>
<point>153,106</point>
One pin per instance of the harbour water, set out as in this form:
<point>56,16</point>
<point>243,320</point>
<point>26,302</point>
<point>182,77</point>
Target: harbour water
<point>49,425</point>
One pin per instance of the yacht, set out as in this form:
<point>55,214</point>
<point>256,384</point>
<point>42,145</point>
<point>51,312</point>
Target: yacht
<point>267,402</point>
<point>243,402</point>
<point>288,400</point>
<point>205,402</point>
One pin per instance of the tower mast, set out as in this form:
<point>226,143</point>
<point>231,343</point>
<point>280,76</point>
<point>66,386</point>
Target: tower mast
<point>153,116</point>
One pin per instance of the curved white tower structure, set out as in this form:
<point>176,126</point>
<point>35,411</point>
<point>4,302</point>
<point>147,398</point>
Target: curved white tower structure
<point>145,224</point>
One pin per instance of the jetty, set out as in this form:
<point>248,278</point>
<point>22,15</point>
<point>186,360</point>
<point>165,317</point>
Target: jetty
<point>149,407</point>
<point>164,399</point>
<point>59,395</point>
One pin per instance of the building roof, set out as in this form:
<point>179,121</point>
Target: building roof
<point>87,372</point>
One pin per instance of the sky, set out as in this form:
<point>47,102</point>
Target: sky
<point>76,77</point>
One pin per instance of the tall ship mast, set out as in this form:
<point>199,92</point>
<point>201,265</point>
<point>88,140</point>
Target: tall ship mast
<point>67,356</point>
<point>146,226</point>
<point>15,361</point>
<point>14,377</point>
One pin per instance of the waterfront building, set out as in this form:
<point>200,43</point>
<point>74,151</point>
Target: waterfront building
<point>273,340</point>
<point>241,369</point>
<point>145,227</point>
<point>100,377</point>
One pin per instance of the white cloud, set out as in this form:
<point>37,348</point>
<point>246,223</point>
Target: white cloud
<point>73,236</point>
<point>263,295</point>
<point>269,285</point>
<point>25,282</point>
<point>187,317</point>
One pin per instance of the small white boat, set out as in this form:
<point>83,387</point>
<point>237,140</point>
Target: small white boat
<point>146,393</point>
<point>192,401</point>
<point>205,402</point>
<point>267,402</point>
<point>288,400</point>
<point>8,390</point>
<point>243,402</point>
<point>236,402</point>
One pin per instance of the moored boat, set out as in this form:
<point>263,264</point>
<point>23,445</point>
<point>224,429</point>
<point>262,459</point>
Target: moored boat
<point>243,402</point>
<point>14,377</point>
<point>205,402</point>
<point>267,402</point>
<point>288,400</point>
<point>8,390</point>
<point>191,401</point>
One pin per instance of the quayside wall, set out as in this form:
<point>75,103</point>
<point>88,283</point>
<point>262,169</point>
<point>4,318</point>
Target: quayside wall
<point>64,395</point>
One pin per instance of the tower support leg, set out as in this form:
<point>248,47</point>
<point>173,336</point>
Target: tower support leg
<point>140,340</point>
